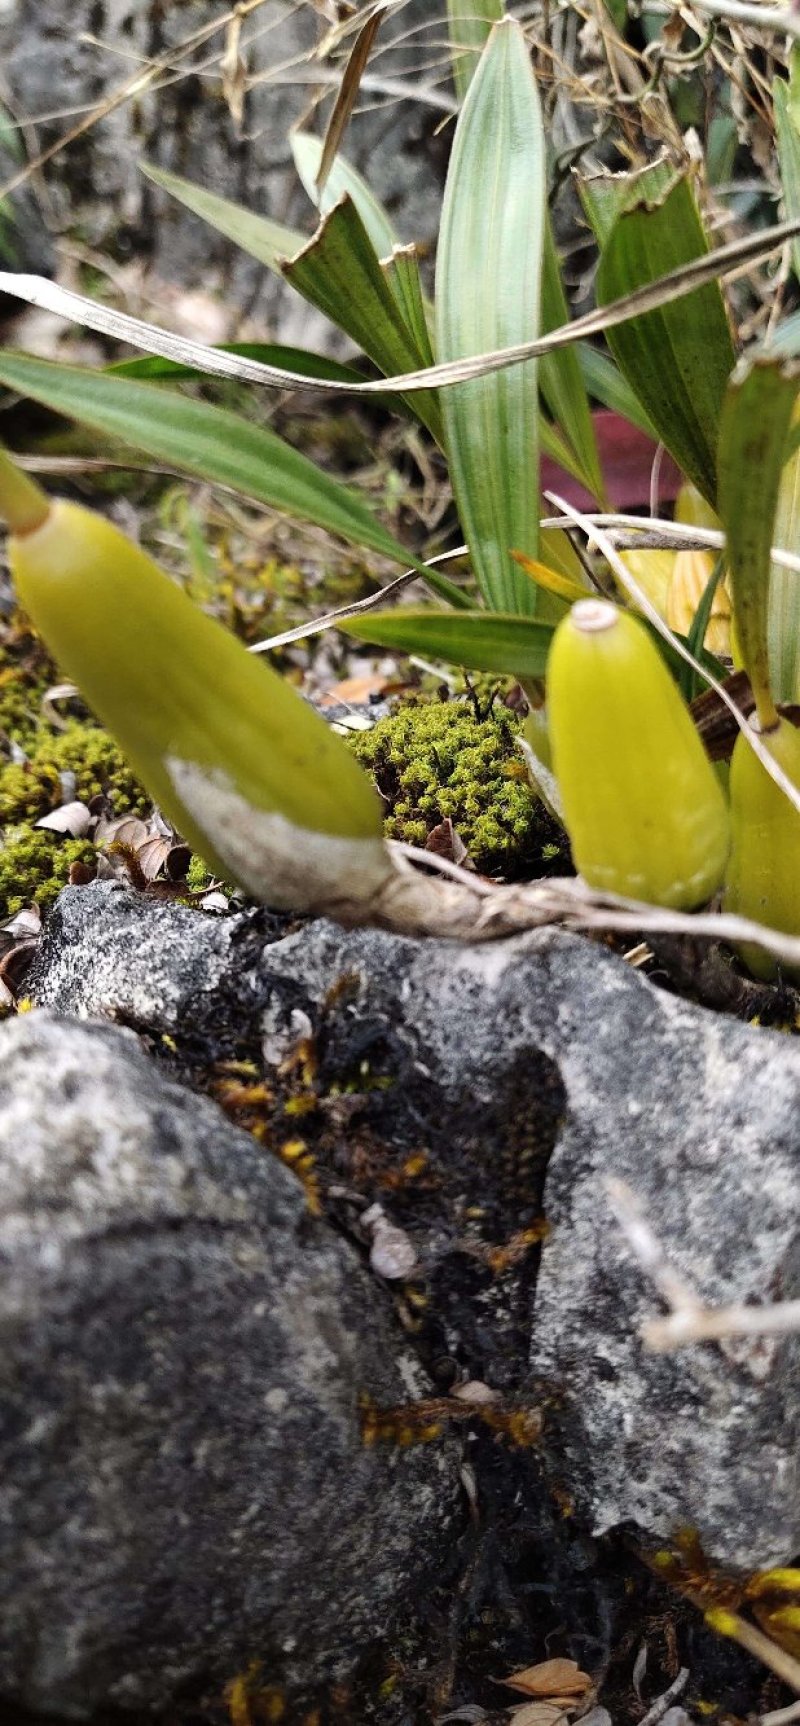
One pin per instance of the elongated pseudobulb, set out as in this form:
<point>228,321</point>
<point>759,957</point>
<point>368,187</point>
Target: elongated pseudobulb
<point>252,777</point>
<point>643,807</point>
<point>763,875</point>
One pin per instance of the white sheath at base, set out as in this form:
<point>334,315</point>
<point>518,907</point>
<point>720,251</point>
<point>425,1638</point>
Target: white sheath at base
<point>287,867</point>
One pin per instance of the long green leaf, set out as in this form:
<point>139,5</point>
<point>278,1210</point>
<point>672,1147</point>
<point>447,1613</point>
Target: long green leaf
<point>469,23</point>
<point>755,422</point>
<point>270,242</point>
<point>339,273</point>
<point>784,586</point>
<point>561,379</point>
<point>787,127</point>
<point>479,640</point>
<point>604,381</point>
<point>679,357</point>
<point>267,353</point>
<point>488,282</point>
<point>342,179</point>
<point>207,441</point>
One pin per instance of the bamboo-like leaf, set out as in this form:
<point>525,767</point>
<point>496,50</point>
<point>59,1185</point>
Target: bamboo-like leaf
<point>478,640</point>
<point>488,282</point>
<point>339,273</point>
<point>469,23</point>
<point>343,179</point>
<point>678,358</point>
<point>267,241</point>
<point>787,126</point>
<point>755,422</point>
<point>561,379</point>
<point>208,441</point>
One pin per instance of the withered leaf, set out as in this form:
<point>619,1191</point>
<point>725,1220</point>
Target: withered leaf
<point>536,1714</point>
<point>551,1679</point>
<point>73,818</point>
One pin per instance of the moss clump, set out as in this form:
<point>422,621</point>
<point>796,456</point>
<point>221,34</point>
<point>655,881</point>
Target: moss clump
<point>437,760</point>
<point>36,865</point>
<point>28,790</point>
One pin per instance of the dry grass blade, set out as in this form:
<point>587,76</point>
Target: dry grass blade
<point>149,338</point>
<point>132,88</point>
<point>348,90</point>
<point>333,619</point>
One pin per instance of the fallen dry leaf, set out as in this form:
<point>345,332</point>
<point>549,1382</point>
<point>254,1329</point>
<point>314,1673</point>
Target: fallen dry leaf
<point>357,690</point>
<point>73,818</point>
<point>561,1682</point>
<point>537,1714</point>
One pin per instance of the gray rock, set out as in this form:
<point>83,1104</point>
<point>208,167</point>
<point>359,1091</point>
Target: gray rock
<point>183,1483</point>
<point>86,51</point>
<point>505,1056</point>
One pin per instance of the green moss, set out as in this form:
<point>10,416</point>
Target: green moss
<point>36,865</point>
<point>433,761</point>
<point>28,790</point>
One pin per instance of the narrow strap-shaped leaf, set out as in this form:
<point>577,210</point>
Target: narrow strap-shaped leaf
<point>479,640</point>
<point>488,281</point>
<point>784,586</point>
<point>604,381</point>
<point>469,23</point>
<point>787,128</point>
<point>343,178</point>
<point>267,353</point>
<point>267,241</point>
<point>339,273</point>
<point>560,377</point>
<point>207,441</point>
<point>755,422</point>
<point>679,357</point>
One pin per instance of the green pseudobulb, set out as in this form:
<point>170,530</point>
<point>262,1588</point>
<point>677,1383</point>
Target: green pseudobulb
<point>643,807</point>
<point>251,776</point>
<point>763,876</point>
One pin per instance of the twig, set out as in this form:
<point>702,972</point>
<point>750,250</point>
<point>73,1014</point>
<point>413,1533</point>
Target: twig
<point>720,1324</point>
<point>662,1703</point>
<point>689,1320</point>
<point>784,19</point>
<point>782,1716</point>
<point>647,1248</point>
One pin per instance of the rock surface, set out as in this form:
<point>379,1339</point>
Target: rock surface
<point>86,51</point>
<point>183,1483</point>
<point>499,1060</point>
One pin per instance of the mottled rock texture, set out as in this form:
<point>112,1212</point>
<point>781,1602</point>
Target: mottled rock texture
<point>184,1487</point>
<point>502,1061</point>
<point>65,59</point>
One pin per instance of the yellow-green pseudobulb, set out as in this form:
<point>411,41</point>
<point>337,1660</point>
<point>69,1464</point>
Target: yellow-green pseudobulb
<point>251,776</point>
<point>763,876</point>
<point>642,805</point>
